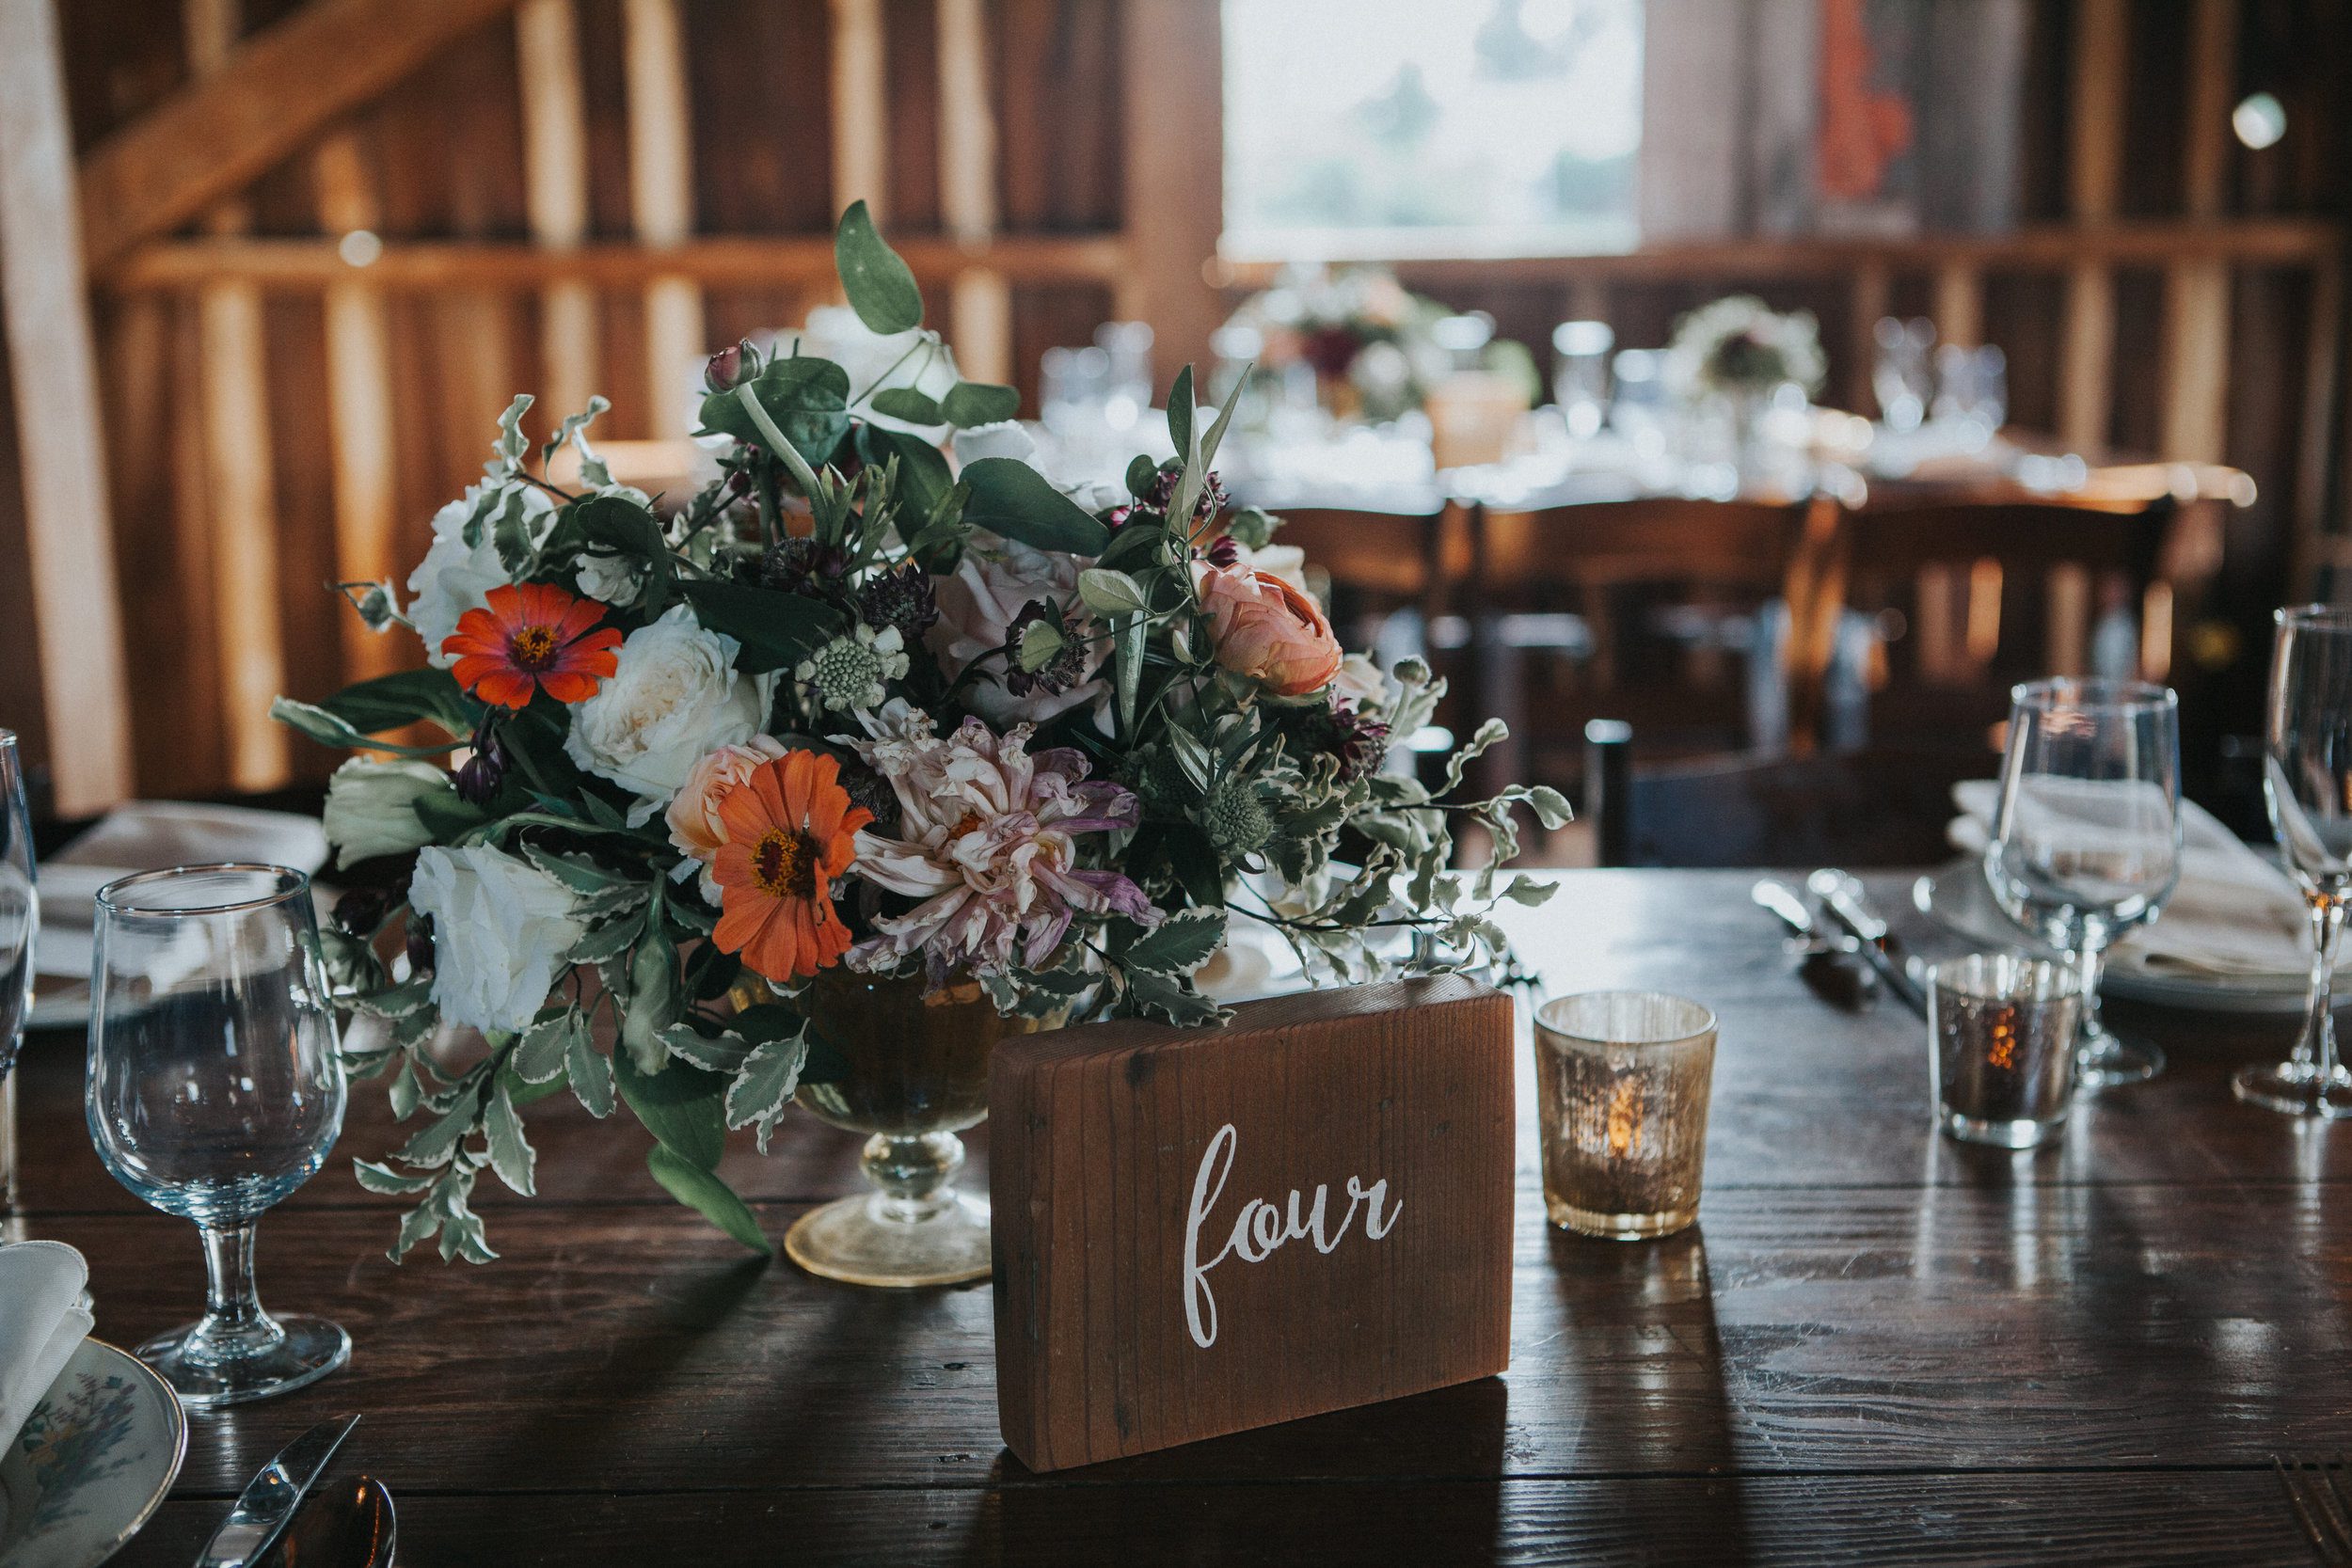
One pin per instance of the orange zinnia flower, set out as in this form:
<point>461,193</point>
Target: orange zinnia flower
<point>532,636</point>
<point>791,831</point>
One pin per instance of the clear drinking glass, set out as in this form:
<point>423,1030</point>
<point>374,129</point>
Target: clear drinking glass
<point>2307,778</point>
<point>214,1091</point>
<point>2001,1033</point>
<point>1621,1088</point>
<point>2086,838</point>
<point>20,924</point>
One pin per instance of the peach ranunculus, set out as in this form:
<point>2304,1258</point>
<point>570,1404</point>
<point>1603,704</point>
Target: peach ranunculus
<point>695,825</point>
<point>1266,629</point>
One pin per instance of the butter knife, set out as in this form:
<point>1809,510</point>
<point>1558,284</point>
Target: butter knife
<point>268,1502</point>
<point>1841,895</point>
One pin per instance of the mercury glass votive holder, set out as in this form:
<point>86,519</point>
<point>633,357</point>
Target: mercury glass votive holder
<point>1622,1079</point>
<point>2001,1041</point>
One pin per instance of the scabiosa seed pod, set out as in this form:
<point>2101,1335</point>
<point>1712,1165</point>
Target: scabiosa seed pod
<point>1045,654</point>
<point>1236,820</point>
<point>902,599</point>
<point>483,771</point>
<point>798,565</point>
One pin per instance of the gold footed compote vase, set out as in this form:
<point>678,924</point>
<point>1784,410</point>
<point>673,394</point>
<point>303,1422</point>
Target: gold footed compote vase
<point>916,1075</point>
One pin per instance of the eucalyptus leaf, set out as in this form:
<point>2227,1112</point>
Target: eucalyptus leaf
<point>1180,413</point>
<point>1108,592</point>
<point>1011,499</point>
<point>905,403</point>
<point>775,630</point>
<point>924,476</point>
<point>330,730</point>
<point>881,287</point>
<point>977,403</point>
<point>708,1197</point>
<point>1216,436</point>
<point>1142,473</point>
<point>389,702</point>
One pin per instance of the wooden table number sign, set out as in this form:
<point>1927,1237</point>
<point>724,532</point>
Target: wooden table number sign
<point>1199,1232</point>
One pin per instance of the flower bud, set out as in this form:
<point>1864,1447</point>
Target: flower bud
<point>483,771</point>
<point>730,365</point>
<point>371,807</point>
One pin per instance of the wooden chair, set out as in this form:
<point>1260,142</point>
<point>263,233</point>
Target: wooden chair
<point>1881,807</point>
<point>1926,614</point>
<point>1678,602</point>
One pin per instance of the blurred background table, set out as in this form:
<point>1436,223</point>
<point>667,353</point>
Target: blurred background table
<point>1875,1345</point>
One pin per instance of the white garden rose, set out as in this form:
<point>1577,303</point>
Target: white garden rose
<point>455,577</point>
<point>503,929</point>
<point>372,806</point>
<point>675,698</point>
<point>613,579</point>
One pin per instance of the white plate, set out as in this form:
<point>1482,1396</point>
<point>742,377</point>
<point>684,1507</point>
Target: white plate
<point>93,1462</point>
<point>1957,900</point>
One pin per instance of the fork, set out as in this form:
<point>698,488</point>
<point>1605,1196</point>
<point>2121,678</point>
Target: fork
<point>2320,1505</point>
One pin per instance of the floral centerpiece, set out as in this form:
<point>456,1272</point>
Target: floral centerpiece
<point>1738,348</point>
<point>847,729</point>
<point>1370,342</point>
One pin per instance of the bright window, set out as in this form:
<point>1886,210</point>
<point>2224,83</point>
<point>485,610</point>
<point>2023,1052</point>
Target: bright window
<point>1412,128</point>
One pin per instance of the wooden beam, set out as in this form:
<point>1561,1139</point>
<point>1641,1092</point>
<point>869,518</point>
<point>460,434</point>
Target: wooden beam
<point>358,404</point>
<point>273,93</point>
<point>239,467</point>
<point>53,367</point>
<point>661,191</point>
<point>981,303</point>
<point>2197,292</point>
<point>1960,303</point>
<point>748,262</point>
<point>555,189</point>
<point>861,130</point>
<point>2095,148</point>
<point>1173,63</point>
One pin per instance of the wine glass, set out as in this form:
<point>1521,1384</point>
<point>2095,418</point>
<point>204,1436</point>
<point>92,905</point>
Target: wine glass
<point>19,921</point>
<point>215,1090</point>
<point>2086,838</point>
<point>2307,780</point>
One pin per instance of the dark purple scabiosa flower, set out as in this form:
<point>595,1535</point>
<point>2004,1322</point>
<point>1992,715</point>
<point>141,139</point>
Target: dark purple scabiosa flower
<point>902,599</point>
<point>1223,550</point>
<point>1359,742</point>
<point>1043,653</point>
<point>483,771</point>
<point>801,565</point>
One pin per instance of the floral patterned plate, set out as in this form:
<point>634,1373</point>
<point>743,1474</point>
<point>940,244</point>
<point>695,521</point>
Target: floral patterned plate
<point>94,1459</point>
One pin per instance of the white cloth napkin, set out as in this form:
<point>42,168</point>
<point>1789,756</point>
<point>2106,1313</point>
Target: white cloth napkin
<point>2235,914</point>
<point>146,835</point>
<point>42,1324</point>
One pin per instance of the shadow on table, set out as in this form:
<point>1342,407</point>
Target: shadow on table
<point>1646,1365</point>
<point>1308,1492</point>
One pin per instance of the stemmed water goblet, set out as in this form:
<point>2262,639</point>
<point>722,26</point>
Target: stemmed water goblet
<point>2307,782</point>
<point>2087,838</point>
<point>214,1091</point>
<point>20,923</point>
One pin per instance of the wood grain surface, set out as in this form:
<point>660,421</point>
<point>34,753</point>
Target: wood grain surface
<point>1875,1346</point>
<point>1201,1231</point>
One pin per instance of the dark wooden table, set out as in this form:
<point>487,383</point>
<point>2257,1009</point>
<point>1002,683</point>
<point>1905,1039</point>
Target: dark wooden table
<point>1877,1345</point>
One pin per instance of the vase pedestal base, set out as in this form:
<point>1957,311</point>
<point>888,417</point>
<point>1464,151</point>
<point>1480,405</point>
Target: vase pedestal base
<point>861,1240</point>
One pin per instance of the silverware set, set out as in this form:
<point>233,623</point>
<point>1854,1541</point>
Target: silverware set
<point>283,1517</point>
<point>1849,954</point>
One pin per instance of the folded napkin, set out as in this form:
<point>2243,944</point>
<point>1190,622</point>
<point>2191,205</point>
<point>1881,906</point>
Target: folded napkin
<point>147,835</point>
<point>2234,915</point>
<point>41,1322</point>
